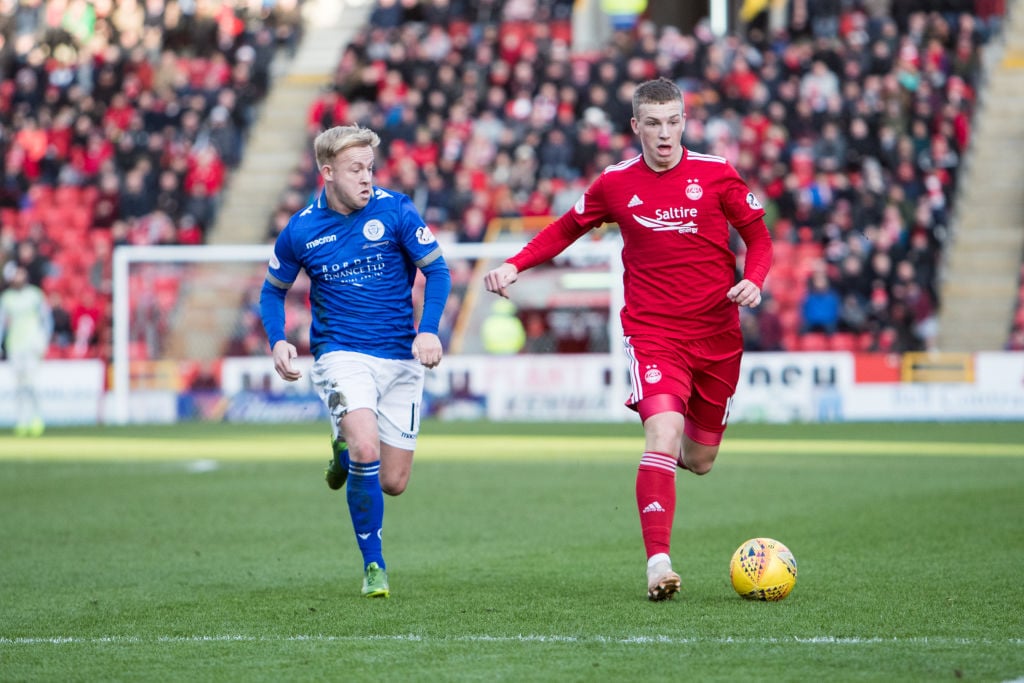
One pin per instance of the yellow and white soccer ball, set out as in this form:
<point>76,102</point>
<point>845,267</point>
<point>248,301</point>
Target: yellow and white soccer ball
<point>763,569</point>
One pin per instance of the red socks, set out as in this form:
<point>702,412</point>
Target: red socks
<point>656,500</point>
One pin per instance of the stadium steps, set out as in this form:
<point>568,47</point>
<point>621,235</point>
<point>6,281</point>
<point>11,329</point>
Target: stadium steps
<point>980,279</point>
<point>278,137</point>
<point>208,309</point>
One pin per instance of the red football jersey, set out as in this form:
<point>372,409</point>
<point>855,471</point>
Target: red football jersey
<point>675,232</point>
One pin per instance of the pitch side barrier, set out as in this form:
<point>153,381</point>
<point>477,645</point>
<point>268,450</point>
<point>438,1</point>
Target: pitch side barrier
<point>774,387</point>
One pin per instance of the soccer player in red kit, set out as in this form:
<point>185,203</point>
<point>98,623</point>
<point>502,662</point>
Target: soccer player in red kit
<point>681,317</point>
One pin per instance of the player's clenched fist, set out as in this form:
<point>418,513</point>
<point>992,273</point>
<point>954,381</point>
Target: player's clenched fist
<point>283,355</point>
<point>745,293</point>
<point>501,277</point>
<point>426,348</point>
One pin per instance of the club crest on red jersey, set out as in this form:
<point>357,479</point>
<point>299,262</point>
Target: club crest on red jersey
<point>653,374</point>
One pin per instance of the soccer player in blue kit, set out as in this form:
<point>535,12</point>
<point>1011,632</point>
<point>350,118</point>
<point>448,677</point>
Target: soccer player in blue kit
<point>361,246</point>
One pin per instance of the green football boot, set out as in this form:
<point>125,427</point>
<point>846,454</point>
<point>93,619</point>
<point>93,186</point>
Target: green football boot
<point>337,471</point>
<point>375,582</point>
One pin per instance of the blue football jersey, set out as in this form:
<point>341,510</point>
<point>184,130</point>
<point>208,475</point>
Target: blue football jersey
<point>361,269</point>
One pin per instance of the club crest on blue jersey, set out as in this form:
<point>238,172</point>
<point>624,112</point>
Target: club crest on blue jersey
<point>373,230</point>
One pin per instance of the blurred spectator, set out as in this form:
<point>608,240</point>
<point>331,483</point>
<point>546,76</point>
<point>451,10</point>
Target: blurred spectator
<point>63,333</point>
<point>170,198</point>
<point>821,305</point>
<point>750,331</point>
<point>539,338</point>
<point>769,326</point>
<point>328,110</point>
<point>201,206</point>
<point>852,315</point>
<point>27,256</point>
<point>502,331</point>
<point>224,137</point>
<point>135,199</point>
<point>107,208</point>
<point>14,184</point>
<point>86,317</point>
<point>26,327</point>
<point>189,230</point>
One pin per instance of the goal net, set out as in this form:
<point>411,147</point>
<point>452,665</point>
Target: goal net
<point>188,342</point>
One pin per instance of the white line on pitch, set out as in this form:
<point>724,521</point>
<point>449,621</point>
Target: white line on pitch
<point>611,640</point>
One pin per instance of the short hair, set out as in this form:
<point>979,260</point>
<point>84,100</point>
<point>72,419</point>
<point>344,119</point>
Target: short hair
<point>332,141</point>
<point>658,91</point>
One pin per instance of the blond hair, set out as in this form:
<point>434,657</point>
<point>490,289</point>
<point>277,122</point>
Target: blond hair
<point>332,141</point>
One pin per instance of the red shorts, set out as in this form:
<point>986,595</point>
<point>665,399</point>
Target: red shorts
<point>702,373</point>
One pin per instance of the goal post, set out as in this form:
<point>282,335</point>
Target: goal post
<point>127,256</point>
<point>229,273</point>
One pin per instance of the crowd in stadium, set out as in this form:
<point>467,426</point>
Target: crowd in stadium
<point>119,124</point>
<point>850,127</point>
<point>122,121</point>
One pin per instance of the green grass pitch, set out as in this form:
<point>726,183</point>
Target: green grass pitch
<point>217,553</point>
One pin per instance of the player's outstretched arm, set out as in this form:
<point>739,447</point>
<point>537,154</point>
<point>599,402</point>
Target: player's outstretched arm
<point>284,352</point>
<point>745,293</point>
<point>501,277</point>
<point>426,348</point>
<point>545,245</point>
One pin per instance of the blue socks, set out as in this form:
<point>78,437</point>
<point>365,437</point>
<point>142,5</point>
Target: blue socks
<point>366,506</point>
<point>341,453</point>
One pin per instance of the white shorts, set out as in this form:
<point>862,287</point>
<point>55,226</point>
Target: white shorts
<point>393,389</point>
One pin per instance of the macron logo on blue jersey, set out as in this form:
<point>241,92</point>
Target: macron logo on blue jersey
<point>321,240</point>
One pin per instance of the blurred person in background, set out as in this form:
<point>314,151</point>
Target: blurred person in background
<point>821,305</point>
<point>539,338</point>
<point>502,331</point>
<point>361,247</point>
<point>681,313</point>
<point>26,326</point>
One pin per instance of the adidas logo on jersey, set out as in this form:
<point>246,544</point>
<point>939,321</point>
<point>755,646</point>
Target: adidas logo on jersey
<point>635,201</point>
<point>654,507</point>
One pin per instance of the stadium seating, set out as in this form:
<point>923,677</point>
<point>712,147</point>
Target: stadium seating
<point>818,209</point>
<point>125,122</point>
<point>513,81</point>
